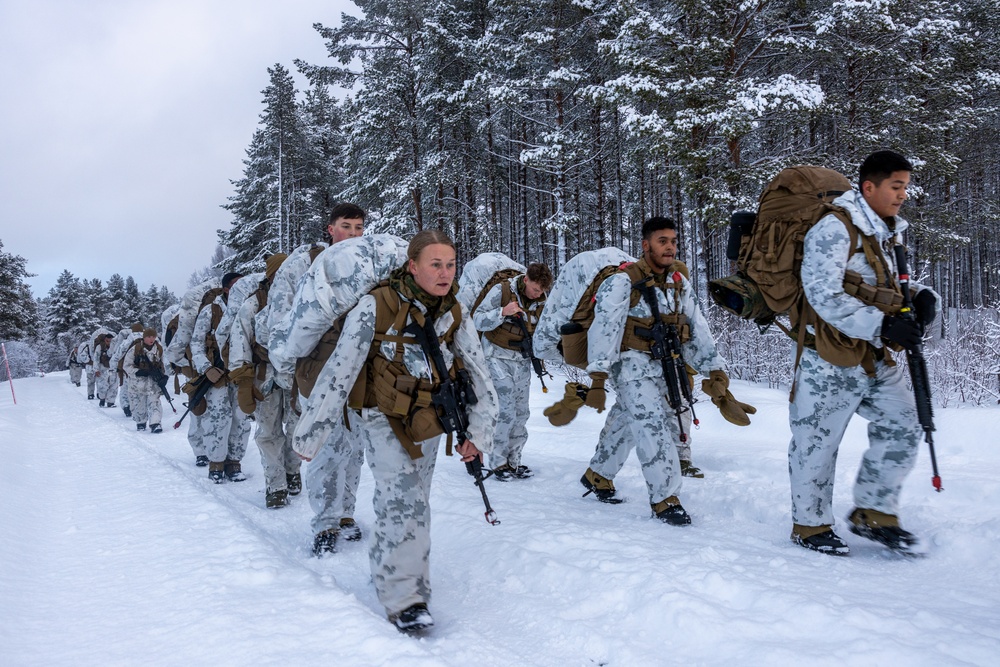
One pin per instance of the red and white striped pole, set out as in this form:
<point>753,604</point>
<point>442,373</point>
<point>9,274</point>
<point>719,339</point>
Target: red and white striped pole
<point>10,378</point>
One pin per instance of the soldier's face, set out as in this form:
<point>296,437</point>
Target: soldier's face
<point>660,249</point>
<point>888,196</point>
<point>434,269</point>
<point>342,229</point>
<point>532,290</point>
<point>149,340</point>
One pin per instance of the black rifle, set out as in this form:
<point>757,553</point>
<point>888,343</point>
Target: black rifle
<point>527,350</point>
<point>202,385</point>
<point>665,346</point>
<point>918,365</point>
<point>160,378</point>
<point>452,398</point>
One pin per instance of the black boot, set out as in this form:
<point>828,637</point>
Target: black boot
<point>294,482</point>
<point>101,404</point>
<point>413,619</point>
<point>275,499</point>
<point>825,541</point>
<point>155,428</point>
<point>127,411</point>
<point>884,529</point>
<point>217,471</point>
<point>349,529</point>
<point>602,487</point>
<point>325,543</point>
<point>670,511</point>
<point>140,427</point>
<point>234,472</point>
<point>201,461</point>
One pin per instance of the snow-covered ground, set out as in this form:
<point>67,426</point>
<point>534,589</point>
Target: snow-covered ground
<point>116,550</point>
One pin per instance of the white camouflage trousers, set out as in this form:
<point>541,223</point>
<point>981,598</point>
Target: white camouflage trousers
<point>106,384</point>
<point>400,544</point>
<point>332,477</point>
<point>826,397</point>
<point>91,380</point>
<point>75,374</point>
<point>224,425</point>
<point>640,418</point>
<point>145,400</point>
<point>124,398</point>
<point>512,380</point>
<point>275,425</point>
<point>196,434</point>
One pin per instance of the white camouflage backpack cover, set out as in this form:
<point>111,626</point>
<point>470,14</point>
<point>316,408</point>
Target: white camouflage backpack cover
<point>239,292</point>
<point>480,275</point>
<point>333,285</point>
<point>574,279</point>
<point>191,304</point>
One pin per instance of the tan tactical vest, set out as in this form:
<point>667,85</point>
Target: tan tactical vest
<point>387,385</point>
<point>574,345</point>
<point>508,335</point>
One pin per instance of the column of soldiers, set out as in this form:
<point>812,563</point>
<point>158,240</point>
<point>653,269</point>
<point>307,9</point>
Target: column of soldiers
<point>405,363</point>
<point>127,366</point>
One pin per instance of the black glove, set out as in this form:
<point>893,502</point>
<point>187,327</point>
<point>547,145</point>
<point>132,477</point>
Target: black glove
<point>907,333</point>
<point>142,374</point>
<point>926,306</point>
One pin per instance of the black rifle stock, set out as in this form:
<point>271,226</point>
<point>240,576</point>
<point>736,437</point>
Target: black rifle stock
<point>665,346</point>
<point>918,366</point>
<point>160,378</point>
<point>452,398</point>
<point>527,349</point>
<point>203,385</point>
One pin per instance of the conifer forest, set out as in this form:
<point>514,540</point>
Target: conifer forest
<point>548,128</point>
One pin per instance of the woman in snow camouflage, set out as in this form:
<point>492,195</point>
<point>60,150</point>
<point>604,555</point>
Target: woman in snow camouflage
<point>403,467</point>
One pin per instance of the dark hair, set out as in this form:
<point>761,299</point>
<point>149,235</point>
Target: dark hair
<point>656,224</point>
<point>540,274</point>
<point>880,165</point>
<point>230,278</point>
<point>345,210</point>
<point>424,238</point>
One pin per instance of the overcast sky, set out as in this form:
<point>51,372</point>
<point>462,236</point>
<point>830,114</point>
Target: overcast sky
<point>123,122</point>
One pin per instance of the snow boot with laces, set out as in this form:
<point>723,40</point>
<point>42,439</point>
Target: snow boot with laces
<point>821,539</point>
<point>413,619</point>
<point>217,471</point>
<point>349,530</point>
<point>325,543</point>
<point>294,482</point>
<point>234,472</point>
<point>670,511</point>
<point>884,529</point>
<point>275,499</point>
<point>155,428</point>
<point>602,487</point>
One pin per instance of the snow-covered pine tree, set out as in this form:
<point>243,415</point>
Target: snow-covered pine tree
<point>18,310</point>
<point>270,206</point>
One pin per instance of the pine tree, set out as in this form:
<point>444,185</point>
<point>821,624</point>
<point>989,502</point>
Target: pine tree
<point>18,310</point>
<point>68,309</point>
<point>271,205</point>
<point>116,296</point>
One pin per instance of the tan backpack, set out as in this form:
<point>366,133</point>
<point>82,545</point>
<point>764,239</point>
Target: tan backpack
<point>767,282</point>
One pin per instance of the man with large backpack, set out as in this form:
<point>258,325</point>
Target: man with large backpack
<point>619,349</point>
<point>332,477</point>
<point>259,395</point>
<point>506,318</point>
<point>224,424</point>
<point>848,370</point>
<point>75,367</point>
